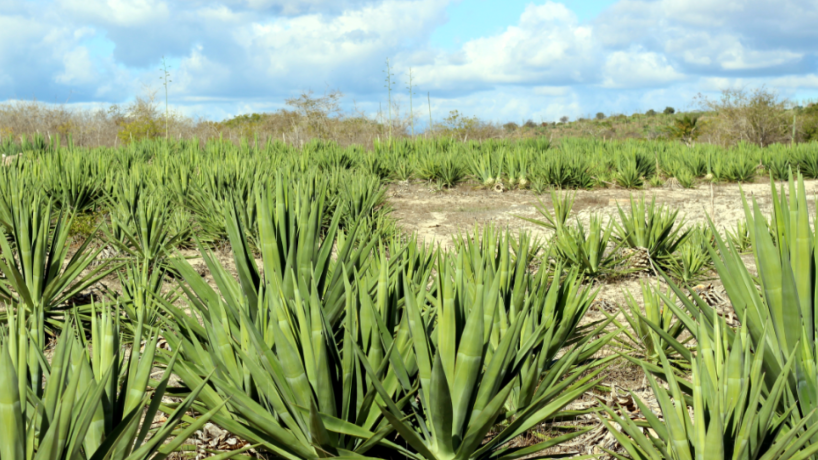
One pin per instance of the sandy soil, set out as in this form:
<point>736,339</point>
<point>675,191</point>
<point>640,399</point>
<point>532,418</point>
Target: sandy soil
<point>436,215</point>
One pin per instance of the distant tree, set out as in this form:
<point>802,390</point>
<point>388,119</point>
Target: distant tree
<point>141,121</point>
<point>239,120</point>
<point>685,129</point>
<point>650,113</point>
<point>758,116</point>
<point>809,122</point>
<point>457,123</point>
<point>316,111</point>
<point>564,119</point>
<point>600,116</point>
<point>530,124</point>
<point>669,111</point>
<point>510,126</point>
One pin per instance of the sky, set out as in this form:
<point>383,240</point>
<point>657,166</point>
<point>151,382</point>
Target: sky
<point>498,60</point>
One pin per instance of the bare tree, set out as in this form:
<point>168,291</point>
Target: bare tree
<point>316,111</point>
<point>757,116</point>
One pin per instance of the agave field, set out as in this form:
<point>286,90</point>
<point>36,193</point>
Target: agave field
<point>333,333</point>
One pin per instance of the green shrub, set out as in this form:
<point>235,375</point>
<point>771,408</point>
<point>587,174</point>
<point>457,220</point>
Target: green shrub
<point>84,225</point>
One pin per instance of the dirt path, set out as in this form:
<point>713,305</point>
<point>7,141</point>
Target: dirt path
<point>437,215</point>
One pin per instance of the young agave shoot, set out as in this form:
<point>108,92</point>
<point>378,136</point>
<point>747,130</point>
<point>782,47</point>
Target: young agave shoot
<point>512,179</point>
<point>522,182</point>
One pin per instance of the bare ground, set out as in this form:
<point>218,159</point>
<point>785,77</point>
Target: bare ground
<point>436,215</point>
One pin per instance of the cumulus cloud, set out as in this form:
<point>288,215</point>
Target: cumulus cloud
<point>809,81</point>
<point>638,68</point>
<point>547,47</point>
<point>741,37</point>
<point>230,56</point>
<point>118,13</point>
<point>78,69</point>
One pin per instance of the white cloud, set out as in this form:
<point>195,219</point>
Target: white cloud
<point>315,40</point>
<point>727,52</point>
<point>740,58</point>
<point>231,56</point>
<point>299,7</point>
<point>78,68</point>
<point>705,35</point>
<point>551,90</point>
<point>638,68</point>
<point>701,13</point>
<point>198,74</point>
<point>124,13</point>
<point>809,81</point>
<point>547,46</point>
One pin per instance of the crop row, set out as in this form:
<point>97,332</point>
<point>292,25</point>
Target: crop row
<point>328,336</point>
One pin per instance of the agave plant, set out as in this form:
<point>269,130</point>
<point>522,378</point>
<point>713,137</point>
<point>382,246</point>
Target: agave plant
<point>562,205</point>
<point>285,365</point>
<point>649,330</point>
<point>483,167</point>
<point>565,171</point>
<point>141,227</point>
<point>297,238</point>
<point>692,261</point>
<point>742,168</point>
<point>296,248</point>
<point>468,385</point>
<point>734,415</point>
<point>450,173</point>
<point>287,384</point>
<point>494,249</point>
<point>303,379</point>
<point>429,167</point>
<point>628,175</point>
<point>375,165</point>
<point>403,169</point>
<point>86,403</point>
<point>359,198</point>
<point>71,182</point>
<point>686,178</point>
<point>804,160</point>
<point>778,166</point>
<point>656,229</point>
<point>769,312</point>
<point>38,274</point>
<point>781,314</point>
<point>739,237</point>
<point>141,297</point>
<point>501,252</point>
<point>592,252</point>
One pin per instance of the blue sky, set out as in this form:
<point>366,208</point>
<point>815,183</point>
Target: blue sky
<point>501,61</point>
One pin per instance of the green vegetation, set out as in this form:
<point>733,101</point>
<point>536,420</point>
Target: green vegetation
<point>333,334</point>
